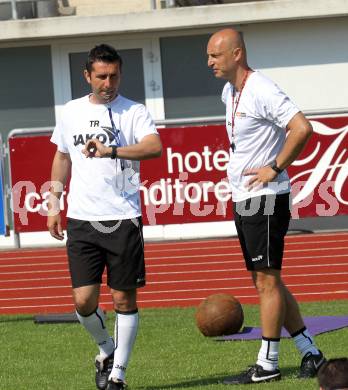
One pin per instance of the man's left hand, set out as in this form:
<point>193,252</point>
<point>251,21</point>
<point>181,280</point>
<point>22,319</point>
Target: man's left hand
<point>94,148</point>
<point>259,176</point>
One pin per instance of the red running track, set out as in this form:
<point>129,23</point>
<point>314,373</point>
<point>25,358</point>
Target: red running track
<point>315,268</point>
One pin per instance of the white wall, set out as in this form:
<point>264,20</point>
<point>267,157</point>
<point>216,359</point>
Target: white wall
<point>308,59</point>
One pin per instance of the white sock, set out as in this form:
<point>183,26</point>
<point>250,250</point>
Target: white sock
<point>126,328</point>
<point>304,342</point>
<point>95,326</point>
<point>268,354</point>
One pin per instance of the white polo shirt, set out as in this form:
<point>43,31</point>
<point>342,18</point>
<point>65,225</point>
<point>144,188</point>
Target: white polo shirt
<point>99,189</point>
<point>259,133</point>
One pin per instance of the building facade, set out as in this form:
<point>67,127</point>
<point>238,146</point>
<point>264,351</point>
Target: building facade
<point>301,44</point>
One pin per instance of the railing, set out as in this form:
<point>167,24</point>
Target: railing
<point>221,118</point>
<point>184,121</point>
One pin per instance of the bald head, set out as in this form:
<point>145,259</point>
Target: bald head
<point>227,39</point>
<point>227,55</point>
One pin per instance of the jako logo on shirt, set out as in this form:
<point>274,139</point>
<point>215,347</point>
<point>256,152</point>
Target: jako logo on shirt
<point>81,139</point>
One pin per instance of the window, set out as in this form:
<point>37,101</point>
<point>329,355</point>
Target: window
<point>26,93</point>
<point>189,87</point>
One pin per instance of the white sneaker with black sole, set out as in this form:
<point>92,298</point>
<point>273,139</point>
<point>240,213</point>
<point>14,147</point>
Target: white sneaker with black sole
<point>255,374</point>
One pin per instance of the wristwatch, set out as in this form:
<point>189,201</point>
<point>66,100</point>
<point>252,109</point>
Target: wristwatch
<point>276,168</point>
<point>113,152</point>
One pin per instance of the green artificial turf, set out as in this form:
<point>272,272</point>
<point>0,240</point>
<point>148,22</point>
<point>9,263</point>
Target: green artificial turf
<point>170,353</point>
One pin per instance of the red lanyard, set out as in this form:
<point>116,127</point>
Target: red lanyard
<point>234,109</point>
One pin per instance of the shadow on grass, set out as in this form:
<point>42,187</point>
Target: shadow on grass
<point>287,373</point>
<point>290,372</point>
<point>15,319</point>
<point>192,383</point>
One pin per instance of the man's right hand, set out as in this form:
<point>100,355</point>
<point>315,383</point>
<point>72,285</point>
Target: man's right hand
<point>55,227</point>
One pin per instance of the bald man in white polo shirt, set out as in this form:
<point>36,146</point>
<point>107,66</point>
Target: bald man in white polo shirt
<point>258,114</point>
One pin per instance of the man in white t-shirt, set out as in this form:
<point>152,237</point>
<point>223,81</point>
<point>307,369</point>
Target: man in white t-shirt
<point>100,139</point>
<point>257,115</point>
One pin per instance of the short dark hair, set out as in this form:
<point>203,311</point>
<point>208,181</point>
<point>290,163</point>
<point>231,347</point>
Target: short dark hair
<point>333,374</point>
<point>103,53</point>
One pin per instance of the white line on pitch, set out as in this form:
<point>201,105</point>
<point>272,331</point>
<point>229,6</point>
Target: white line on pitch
<point>34,279</point>
<point>38,306</point>
<point>240,254</point>
<point>42,297</point>
<point>172,249</point>
<point>149,258</point>
<point>240,261</point>
<point>185,271</point>
<point>240,278</point>
<point>238,296</point>
<point>193,290</point>
<point>32,257</point>
<point>34,272</point>
<point>158,291</point>
<point>172,244</point>
<point>180,281</point>
<point>38,250</point>
<point>289,237</point>
<point>186,249</point>
<point>34,288</point>
<point>181,290</point>
<point>182,264</point>
<point>32,264</point>
<point>159,300</point>
<point>233,288</point>
<point>322,293</point>
<point>243,269</point>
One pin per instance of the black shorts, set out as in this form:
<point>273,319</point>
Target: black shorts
<point>262,223</point>
<point>116,245</point>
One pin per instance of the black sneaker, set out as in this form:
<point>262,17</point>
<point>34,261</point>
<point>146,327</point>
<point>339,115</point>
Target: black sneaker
<point>103,370</point>
<point>118,385</point>
<point>255,374</point>
<point>310,365</point>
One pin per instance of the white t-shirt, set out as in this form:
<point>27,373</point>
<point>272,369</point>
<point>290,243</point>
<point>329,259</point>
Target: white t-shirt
<point>99,189</point>
<point>259,133</point>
